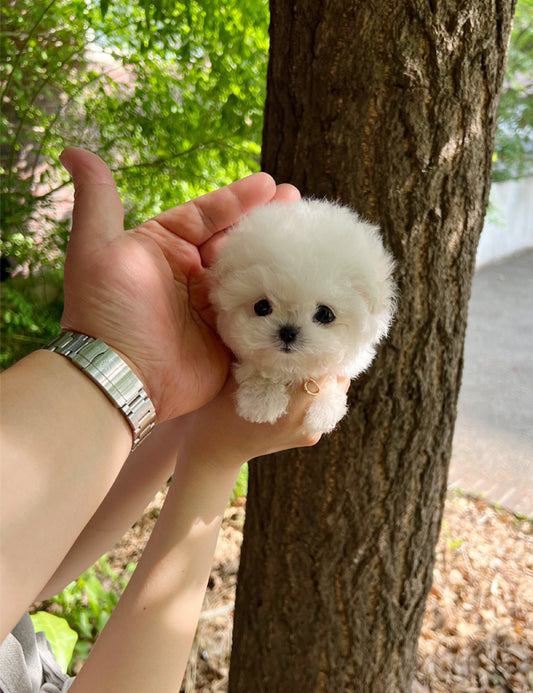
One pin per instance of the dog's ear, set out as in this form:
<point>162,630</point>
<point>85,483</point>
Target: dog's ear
<point>378,291</point>
<point>376,268</point>
<point>375,284</point>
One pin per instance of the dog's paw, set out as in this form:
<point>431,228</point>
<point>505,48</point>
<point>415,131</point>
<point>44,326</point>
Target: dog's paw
<point>325,411</point>
<point>261,401</point>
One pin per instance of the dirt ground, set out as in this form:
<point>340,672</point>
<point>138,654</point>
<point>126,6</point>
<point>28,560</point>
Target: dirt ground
<point>478,629</point>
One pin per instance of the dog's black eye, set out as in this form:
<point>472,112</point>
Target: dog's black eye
<point>263,307</point>
<point>324,315</point>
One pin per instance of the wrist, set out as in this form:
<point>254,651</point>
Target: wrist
<point>110,372</point>
<point>206,481</point>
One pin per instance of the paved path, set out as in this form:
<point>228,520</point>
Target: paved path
<point>493,442</point>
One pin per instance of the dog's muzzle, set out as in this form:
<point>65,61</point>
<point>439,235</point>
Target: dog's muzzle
<point>287,335</point>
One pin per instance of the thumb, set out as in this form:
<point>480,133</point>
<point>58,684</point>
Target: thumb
<point>98,213</point>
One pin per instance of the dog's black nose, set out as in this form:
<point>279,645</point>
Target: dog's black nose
<point>288,333</point>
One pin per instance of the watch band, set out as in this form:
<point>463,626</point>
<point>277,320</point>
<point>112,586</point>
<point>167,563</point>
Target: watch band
<point>112,375</point>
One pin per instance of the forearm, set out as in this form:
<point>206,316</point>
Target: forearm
<point>146,643</point>
<point>62,441</point>
<point>144,473</point>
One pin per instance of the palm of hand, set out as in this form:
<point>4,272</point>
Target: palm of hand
<point>144,292</point>
<point>176,347</point>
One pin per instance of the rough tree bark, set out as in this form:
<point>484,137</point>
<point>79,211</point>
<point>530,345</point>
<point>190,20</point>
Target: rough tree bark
<point>390,107</point>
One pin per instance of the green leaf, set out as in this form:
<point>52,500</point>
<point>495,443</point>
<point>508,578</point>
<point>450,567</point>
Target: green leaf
<point>241,484</point>
<point>59,634</point>
<point>96,594</point>
<point>83,624</point>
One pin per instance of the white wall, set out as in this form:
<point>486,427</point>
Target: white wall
<point>509,222</point>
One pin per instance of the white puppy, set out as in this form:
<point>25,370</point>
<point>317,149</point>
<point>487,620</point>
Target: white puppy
<point>302,290</point>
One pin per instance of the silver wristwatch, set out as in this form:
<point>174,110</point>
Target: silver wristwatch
<point>113,376</point>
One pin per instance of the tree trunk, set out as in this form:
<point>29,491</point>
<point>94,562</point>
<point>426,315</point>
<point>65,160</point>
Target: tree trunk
<point>390,107</point>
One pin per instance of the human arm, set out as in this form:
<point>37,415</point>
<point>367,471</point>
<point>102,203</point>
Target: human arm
<point>62,444</point>
<point>144,473</point>
<point>146,643</point>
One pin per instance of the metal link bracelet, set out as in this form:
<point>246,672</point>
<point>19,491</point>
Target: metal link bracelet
<point>112,375</point>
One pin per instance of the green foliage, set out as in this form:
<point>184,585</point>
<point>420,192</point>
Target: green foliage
<point>30,310</point>
<point>241,485</point>
<point>59,634</point>
<point>174,104</point>
<point>188,114</point>
<point>170,94</point>
<point>88,602</point>
<point>453,543</point>
<point>513,157</point>
<point>41,65</point>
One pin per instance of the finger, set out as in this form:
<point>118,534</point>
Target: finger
<point>200,219</point>
<point>344,384</point>
<point>98,211</point>
<point>287,193</point>
<point>313,387</point>
<point>339,381</point>
<point>210,250</point>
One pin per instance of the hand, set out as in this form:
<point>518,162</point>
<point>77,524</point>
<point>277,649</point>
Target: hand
<point>216,432</point>
<point>144,291</point>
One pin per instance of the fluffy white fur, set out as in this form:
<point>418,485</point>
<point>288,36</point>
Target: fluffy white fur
<point>279,267</point>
